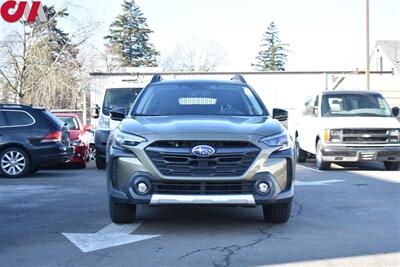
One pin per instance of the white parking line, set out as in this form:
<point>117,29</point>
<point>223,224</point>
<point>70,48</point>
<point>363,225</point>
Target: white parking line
<point>308,168</point>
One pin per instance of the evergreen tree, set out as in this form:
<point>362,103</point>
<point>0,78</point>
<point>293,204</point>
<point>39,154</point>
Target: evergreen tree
<point>272,56</point>
<point>129,35</point>
<point>53,37</point>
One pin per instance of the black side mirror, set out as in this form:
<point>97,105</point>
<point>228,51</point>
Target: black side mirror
<point>280,114</point>
<point>118,114</point>
<point>396,111</point>
<point>95,112</point>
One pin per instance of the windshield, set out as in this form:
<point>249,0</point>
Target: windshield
<point>119,98</point>
<point>70,122</point>
<point>368,105</point>
<point>198,99</point>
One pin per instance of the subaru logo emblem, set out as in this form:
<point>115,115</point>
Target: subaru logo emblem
<point>203,151</point>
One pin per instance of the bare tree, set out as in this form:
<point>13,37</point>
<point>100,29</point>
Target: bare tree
<point>195,55</point>
<point>31,72</point>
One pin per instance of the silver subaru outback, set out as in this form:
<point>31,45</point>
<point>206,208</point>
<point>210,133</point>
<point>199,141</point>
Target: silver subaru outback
<point>200,142</point>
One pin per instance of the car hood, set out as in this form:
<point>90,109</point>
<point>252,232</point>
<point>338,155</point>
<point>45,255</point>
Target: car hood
<point>263,126</point>
<point>360,122</point>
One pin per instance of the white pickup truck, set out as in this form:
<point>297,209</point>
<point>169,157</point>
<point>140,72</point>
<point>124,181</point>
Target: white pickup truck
<point>348,126</point>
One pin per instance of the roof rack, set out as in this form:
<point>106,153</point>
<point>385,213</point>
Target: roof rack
<point>156,78</point>
<point>239,78</point>
<point>14,106</point>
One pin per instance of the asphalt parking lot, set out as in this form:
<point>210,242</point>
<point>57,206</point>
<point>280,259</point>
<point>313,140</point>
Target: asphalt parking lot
<point>343,217</point>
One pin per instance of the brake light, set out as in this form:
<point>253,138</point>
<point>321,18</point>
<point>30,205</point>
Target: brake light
<point>52,137</point>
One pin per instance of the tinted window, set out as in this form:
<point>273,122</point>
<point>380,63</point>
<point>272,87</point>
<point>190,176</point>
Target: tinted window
<point>18,118</point>
<point>71,122</point>
<point>369,105</point>
<point>199,99</point>
<point>119,98</point>
<point>2,119</point>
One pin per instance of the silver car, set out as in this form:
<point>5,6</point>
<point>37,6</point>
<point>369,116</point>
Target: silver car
<point>200,142</point>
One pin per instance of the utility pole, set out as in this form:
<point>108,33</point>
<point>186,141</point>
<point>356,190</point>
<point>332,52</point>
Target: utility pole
<point>367,69</point>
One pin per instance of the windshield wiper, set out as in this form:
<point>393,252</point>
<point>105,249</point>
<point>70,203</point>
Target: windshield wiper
<point>370,115</point>
<point>146,115</point>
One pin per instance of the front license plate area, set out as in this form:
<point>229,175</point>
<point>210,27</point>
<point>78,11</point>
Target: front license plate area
<point>367,156</point>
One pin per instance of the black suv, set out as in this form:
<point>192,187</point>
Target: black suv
<point>31,138</point>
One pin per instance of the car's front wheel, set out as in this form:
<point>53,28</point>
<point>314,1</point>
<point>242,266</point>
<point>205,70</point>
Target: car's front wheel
<point>301,155</point>
<point>14,163</point>
<point>321,165</point>
<point>392,166</point>
<point>122,213</point>
<point>100,163</point>
<point>278,212</point>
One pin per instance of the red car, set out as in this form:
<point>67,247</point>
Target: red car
<point>78,138</point>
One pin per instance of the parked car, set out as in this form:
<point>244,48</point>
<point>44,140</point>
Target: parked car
<point>117,96</point>
<point>79,138</point>
<point>348,126</point>
<point>200,142</point>
<point>31,138</point>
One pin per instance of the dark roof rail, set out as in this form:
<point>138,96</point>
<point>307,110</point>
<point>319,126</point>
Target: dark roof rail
<point>239,78</point>
<point>156,78</point>
<point>14,106</point>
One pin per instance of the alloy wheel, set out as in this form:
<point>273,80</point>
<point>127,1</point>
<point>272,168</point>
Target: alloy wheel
<point>13,163</point>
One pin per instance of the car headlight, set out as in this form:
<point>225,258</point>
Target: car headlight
<point>394,135</point>
<point>281,141</point>
<point>104,123</point>
<point>333,135</point>
<point>122,140</point>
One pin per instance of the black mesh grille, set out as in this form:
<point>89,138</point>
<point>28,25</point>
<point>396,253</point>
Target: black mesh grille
<point>203,188</point>
<point>114,172</point>
<point>174,158</point>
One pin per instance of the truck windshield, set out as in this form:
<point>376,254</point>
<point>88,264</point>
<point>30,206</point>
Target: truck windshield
<point>198,99</point>
<point>347,105</point>
<point>119,98</point>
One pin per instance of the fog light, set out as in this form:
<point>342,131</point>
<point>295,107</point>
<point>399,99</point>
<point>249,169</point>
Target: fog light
<point>263,188</point>
<point>142,188</point>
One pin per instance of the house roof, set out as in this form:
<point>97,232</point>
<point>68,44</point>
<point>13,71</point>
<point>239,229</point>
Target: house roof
<point>392,51</point>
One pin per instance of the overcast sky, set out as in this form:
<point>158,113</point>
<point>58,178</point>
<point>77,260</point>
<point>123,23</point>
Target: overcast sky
<point>323,34</point>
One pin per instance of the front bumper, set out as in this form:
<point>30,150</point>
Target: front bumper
<point>125,169</point>
<point>80,154</point>
<point>332,153</point>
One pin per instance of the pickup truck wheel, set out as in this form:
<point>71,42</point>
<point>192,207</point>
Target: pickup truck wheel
<point>321,165</point>
<point>100,163</point>
<point>14,163</point>
<point>392,166</point>
<point>277,213</point>
<point>301,155</point>
<point>122,213</point>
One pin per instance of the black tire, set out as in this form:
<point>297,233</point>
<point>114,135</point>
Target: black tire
<point>321,165</point>
<point>5,171</point>
<point>122,213</point>
<point>100,163</point>
<point>301,155</point>
<point>81,165</point>
<point>392,166</point>
<point>33,170</point>
<point>277,213</point>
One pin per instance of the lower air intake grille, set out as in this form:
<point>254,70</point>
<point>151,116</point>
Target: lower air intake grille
<point>203,188</point>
